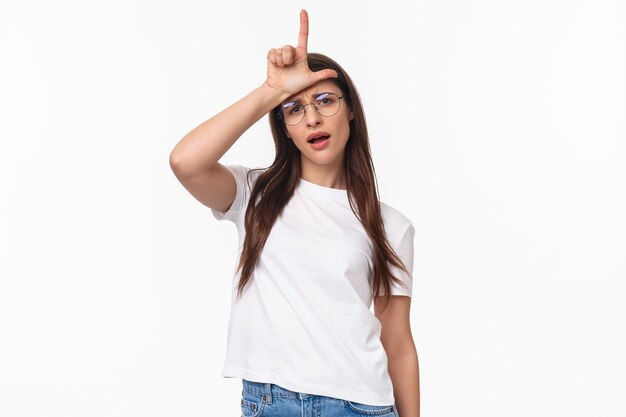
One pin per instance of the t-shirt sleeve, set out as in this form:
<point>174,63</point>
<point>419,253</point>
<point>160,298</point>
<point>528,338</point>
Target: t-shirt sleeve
<point>238,208</point>
<point>404,249</point>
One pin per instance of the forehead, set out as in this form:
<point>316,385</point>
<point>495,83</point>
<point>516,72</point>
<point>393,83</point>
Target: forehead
<point>314,90</point>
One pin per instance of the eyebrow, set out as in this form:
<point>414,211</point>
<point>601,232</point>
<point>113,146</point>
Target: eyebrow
<point>311,95</point>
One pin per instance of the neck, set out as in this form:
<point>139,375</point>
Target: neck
<point>331,176</point>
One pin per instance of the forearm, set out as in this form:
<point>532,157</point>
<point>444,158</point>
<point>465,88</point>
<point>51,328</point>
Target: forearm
<point>203,147</point>
<point>404,372</point>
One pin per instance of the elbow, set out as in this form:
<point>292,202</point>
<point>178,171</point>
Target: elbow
<point>175,162</point>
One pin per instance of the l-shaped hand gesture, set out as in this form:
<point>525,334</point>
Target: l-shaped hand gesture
<point>287,67</point>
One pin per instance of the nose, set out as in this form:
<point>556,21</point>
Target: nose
<point>311,116</point>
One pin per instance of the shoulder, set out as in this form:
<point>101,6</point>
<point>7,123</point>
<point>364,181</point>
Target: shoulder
<point>245,175</point>
<point>398,226</point>
<point>394,218</point>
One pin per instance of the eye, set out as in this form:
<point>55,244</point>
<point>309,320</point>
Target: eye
<point>324,99</point>
<point>295,109</point>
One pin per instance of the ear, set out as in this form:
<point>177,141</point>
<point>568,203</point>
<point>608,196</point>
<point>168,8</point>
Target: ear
<point>350,116</point>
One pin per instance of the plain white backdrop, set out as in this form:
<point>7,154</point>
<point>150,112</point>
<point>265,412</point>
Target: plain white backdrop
<point>496,126</point>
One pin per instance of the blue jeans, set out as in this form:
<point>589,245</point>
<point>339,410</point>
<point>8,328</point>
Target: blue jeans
<point>270,400</point>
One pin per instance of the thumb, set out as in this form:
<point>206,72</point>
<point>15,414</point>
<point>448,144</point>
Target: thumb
<point>324,74</point>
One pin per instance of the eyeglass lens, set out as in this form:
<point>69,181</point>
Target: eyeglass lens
<point>326,104</point>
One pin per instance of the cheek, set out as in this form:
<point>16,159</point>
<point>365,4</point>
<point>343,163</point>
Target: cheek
<point>345,126</point>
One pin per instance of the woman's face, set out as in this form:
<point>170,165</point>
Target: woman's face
<point>336,126</point>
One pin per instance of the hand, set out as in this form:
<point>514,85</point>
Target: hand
<point>287,67</point>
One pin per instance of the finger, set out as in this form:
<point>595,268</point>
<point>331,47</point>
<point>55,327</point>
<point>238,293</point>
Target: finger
<point>323,74</point>
<point>288,54</point>
<point>279,58</point>
<point>304,29</point>
<point>271,55</point>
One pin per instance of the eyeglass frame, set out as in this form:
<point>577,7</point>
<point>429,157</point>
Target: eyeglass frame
<point>278,112</point>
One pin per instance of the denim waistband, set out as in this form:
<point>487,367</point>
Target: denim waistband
<point>271,390</point>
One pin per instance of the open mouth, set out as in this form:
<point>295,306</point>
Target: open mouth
<point>318,139</point>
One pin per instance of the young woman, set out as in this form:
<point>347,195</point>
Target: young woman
<point>317,247</point>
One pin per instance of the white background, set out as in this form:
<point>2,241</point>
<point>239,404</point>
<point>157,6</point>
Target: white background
<point>496,126</point>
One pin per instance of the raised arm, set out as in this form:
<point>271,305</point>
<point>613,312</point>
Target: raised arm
<point>194,160</point>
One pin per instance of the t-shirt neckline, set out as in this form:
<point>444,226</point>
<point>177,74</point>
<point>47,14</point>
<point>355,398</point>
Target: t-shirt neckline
<point>311,188</point>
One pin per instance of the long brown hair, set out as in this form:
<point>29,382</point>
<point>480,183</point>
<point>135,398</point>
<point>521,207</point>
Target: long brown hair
<point>275,187</point>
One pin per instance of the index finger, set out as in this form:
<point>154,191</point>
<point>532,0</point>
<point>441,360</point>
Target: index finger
<point>304,29</point>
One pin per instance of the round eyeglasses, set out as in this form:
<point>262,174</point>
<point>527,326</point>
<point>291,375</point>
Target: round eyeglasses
<point>292,113</point>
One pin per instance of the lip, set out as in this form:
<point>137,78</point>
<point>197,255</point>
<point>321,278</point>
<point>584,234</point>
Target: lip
<point>318,133</point>
<point>320,145</point>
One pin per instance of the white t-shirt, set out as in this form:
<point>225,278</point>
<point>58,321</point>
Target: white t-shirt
<point>304,320</point>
